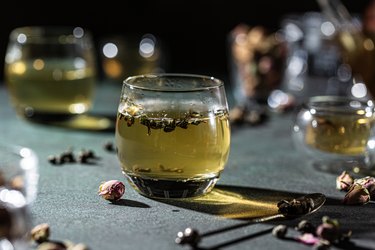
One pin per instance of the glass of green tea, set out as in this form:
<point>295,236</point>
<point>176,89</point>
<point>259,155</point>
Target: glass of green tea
<point>172,134</point>
<point>50,71</point>
<point>337,132</point>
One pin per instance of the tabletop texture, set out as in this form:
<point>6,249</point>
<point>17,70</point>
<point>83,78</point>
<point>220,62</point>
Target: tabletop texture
<point>263,167</point>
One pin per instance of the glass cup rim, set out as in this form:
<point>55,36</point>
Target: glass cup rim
<point>339,104</point>
<point>137,82</point>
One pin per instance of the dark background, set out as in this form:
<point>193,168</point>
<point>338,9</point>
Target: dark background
<point>194,33</point>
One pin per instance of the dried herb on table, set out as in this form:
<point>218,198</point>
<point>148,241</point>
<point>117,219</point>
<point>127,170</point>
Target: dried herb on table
<point>68,156</point>
<point>296,207</point>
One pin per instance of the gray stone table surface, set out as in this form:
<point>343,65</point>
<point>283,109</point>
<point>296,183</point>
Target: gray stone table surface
<point>263,167</point>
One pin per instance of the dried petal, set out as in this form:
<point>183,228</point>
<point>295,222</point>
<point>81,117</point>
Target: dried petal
<point>112,190</point>
<point>344,181</point>
<point>308,239</point>
<point>357,194</point>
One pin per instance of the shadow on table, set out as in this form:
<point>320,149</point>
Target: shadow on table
<point>89,122</point>
<point>236,202</point>
<point>249,204</point>
<point>130,203</point>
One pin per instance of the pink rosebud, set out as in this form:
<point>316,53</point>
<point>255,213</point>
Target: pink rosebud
<point>369,183</point>
<point>112,190</point>
<point>357,194</point>
<point>344,181</point>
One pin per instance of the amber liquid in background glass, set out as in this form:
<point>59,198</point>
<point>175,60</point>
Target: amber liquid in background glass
<point>340,134</point>
<point>180,159</point>
<point>51,87</point>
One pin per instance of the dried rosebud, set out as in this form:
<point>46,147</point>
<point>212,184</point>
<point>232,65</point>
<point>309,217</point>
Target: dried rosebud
<point>344,181</point>
<point>357,195</point>
<point>367,182</point>
<point>40,233</point>
<point>112,190</point>
<point>279,231</point>
<point>305,226</point>
<point>328,231</point>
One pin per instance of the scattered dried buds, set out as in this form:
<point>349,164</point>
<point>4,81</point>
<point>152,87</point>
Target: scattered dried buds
<point>84,157</point>
<point>111,190</point>
<point>323,236</point>
<point>40,234</point>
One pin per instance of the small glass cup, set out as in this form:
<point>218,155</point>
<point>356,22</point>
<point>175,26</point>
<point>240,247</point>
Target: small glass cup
<point>172,134</point>
<point>50,72</point>
<point>337,133</point>
<point>18,190</point>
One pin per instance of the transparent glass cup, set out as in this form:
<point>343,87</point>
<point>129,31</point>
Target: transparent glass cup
<point>336,133</point>
<point>172,134</point>
<point>18,190</point>
<point>50,71</point>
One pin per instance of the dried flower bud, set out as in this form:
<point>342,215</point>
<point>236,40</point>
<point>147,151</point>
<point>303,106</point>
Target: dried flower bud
<point>328,231</point>
<point>344,181</point>
<point>305,226</point>
<point>367,182</point>
<point>357,195</point>
<point>279,231</point>
<point>40,233</point>
<point>111,190</point>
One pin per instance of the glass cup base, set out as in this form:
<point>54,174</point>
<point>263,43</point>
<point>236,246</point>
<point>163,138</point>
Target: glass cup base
<point>169,189</point>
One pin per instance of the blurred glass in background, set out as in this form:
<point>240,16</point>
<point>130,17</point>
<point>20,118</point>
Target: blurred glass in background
<point>50,72</point>
<point>330,52</point>
<point>256,68</point>
<point>123,56</point>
